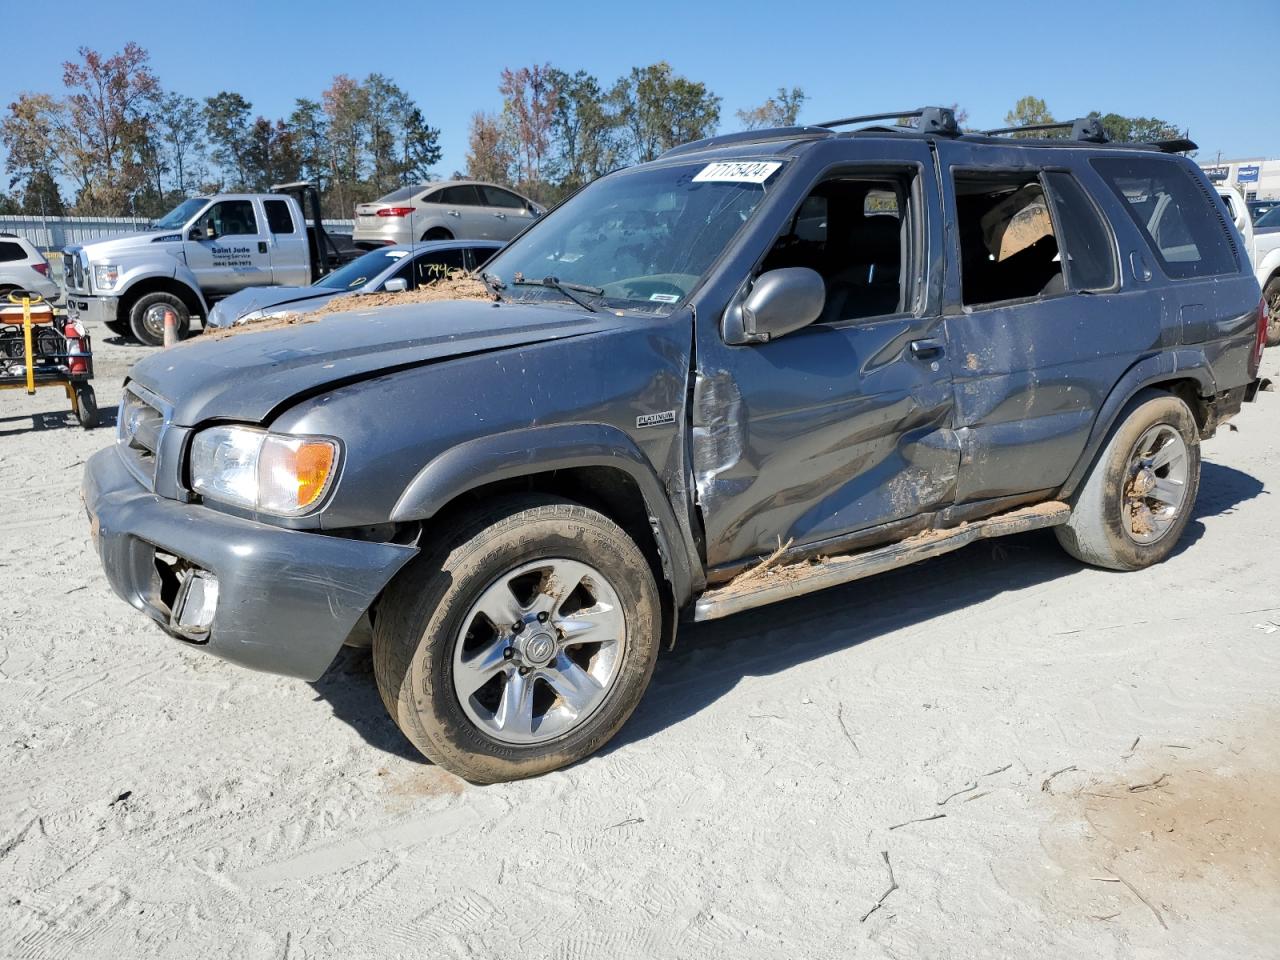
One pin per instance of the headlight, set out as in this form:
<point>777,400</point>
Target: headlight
<point>105,275</point>
<point>268,472</point>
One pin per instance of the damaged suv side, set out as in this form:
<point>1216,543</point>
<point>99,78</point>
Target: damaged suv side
<point>870,347</point>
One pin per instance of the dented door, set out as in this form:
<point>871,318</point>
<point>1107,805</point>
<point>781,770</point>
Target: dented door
<point>831,429</point>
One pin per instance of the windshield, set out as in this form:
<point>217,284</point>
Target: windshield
<point>179,215</point>
<point>1269,219</point>
<point>643,237</point>
<point>359,272</point>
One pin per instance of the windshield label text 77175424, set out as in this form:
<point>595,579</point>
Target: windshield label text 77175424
<point>737,171</point>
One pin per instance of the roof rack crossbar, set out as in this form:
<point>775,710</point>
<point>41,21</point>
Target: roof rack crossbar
<point>940,120</point>
<point>1087,129</point>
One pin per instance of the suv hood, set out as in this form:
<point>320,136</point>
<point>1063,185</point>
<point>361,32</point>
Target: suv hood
<point>247,375</point>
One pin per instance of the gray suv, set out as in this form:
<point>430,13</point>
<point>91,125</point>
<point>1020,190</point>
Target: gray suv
<point>761,365</point>
<point>455,210</point>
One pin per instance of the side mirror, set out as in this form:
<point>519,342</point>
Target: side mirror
<point>195,233</point>
<point>396,285</point>
<point>780,302</point>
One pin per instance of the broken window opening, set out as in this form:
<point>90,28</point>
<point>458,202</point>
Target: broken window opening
<point>1008,248</point>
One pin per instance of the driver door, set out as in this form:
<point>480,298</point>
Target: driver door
<point>844,425</point>
<point>238,256</point>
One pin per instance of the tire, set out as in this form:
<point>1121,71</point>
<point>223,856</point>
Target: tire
<point>146,320</point>
<point>1271,294</point>
<point>428,624</point>
<point>87,402</point>
<point>436,233</point>
<point>1119,520</point>
<point>120,328</point>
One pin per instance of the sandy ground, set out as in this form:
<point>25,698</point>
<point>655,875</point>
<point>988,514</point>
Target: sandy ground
<point>1011,755</point>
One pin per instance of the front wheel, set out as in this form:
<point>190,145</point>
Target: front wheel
<point>146,318</point>
<point>521,643</point>
<point>86,406</point>
<point>1138,498</point>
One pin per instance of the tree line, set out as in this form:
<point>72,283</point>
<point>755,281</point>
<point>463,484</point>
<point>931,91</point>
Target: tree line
<point>122,145</point>
<point>115,142</point>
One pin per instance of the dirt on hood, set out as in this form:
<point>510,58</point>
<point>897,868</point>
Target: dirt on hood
<point>457,287</point>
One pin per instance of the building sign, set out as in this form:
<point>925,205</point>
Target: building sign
<point>1248,174</point>
<point>1216,174</point>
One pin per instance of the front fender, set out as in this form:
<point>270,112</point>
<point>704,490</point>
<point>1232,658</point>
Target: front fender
<point>1188,363</point>
<point>522,453</point>
<point>176,271</point>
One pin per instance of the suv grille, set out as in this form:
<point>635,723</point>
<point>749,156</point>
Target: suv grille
<point>142,423</point>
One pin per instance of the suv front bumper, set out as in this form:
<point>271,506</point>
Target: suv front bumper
<point>286,599</point>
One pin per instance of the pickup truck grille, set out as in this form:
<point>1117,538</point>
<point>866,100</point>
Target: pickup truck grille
<point>141,425</point>
<point>73,271</point>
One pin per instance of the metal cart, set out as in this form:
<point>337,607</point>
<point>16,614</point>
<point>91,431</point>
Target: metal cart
<point>39,350</point>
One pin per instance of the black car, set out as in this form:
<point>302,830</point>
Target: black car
<point>760,365</point>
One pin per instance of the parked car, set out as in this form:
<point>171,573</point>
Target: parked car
<point>23,267</point>
<point>1258,208</point>
<point>1261,242</point>
<point>457,209</point>
<point>378,271</point>
<point>842,352</point>
<point>203,250</point>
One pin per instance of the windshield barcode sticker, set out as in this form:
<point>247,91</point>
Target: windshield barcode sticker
<point>738,171</point>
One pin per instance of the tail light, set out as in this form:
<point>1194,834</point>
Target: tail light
<point>395,211</point>
<point>41,268</point>
<point>1260,339</point>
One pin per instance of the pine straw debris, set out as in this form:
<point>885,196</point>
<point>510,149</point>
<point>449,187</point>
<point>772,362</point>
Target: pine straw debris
<point>459,286</point>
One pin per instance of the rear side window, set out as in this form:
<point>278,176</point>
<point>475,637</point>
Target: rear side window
<point>480,256</point>
<point>10,251</point>
<point>1184,227</point>
<point>279,218</point>
<point>496,197</point>
<point>463,196</point>
<point>437,266</point>
<point>1087,252</point>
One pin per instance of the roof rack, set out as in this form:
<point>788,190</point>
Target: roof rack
<point>1087,129</point>
<point>941,120</point>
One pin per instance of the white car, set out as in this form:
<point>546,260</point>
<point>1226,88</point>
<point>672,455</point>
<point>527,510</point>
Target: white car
<point>455,210</point>
<point>23,267</point>
<point>1263,248</point>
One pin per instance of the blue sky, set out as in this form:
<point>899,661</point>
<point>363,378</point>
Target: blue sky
<point>1167,59</point>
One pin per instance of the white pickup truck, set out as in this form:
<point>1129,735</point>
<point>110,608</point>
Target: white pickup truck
<point>1263,247</point>
<point>205,249</point>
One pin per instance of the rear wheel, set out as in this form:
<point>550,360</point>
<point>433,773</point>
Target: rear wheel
<point>520,644</point>
<point>146,317</point>
<point>1138,497</point>
<point>436,233</point>
<point>1271,294</point>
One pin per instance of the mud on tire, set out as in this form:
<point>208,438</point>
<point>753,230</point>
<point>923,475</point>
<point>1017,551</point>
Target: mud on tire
<point>1107,526</point>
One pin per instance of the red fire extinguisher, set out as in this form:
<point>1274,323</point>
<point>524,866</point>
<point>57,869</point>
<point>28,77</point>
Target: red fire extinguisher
<point>75,347</point>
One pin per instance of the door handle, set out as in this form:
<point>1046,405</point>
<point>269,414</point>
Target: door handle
<point>926,348</point>
<point>454,213</point>
<point>1140,269</point>
<point>501,216</point>
<point>262,246</point>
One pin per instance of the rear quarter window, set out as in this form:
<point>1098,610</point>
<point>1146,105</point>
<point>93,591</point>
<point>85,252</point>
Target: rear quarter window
<point>1181,222</point>
<point>10,251</point>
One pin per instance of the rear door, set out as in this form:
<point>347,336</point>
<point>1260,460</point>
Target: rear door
<point>843,425</point>
<point>466,215</point>
<point>1040,325</point>
<point>239,255</point>
<point>509,213</point>
<point>290,257</point>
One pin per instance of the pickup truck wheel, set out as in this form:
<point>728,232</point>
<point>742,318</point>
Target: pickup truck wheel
<point>521,643</point>
<point>1271,294</point>
<point>146,317</point>
<point>1138,497</point>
